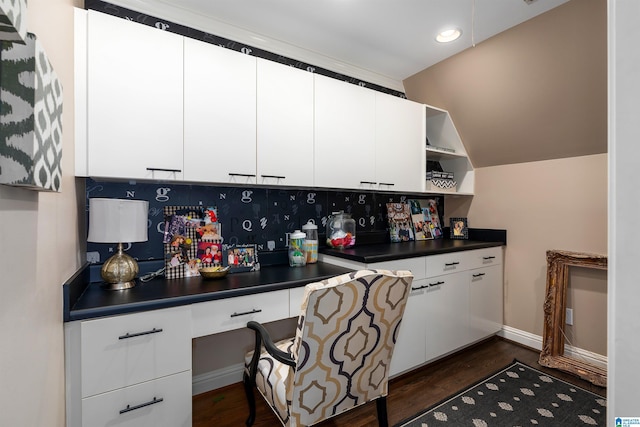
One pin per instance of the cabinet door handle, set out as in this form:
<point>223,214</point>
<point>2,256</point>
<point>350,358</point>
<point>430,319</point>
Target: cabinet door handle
<point>164,170</point>
<point>420,287</point>
<point>246,312</point>
<point>273,176</point>
<point>138,334</point>
<point>130,408</point>
<point>452,264</point>
<point>478,275</point>
<point>368,182</point>
<point>386,183</point>
<point>436,284</point>
<point>247,175</point>
<point>488,257</point>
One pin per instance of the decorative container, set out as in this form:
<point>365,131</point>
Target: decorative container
<point>311,242</point>
<point>297,255</point>
<point>341,230</point>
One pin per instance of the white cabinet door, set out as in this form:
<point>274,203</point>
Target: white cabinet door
<point>344,151</point>
<point>134,100</point>
<point>400,136</point>
<point>447,309</point>
<point>410,348</point>
<point>485,302</point>
<point>219,114</point>
<point>284,125</point>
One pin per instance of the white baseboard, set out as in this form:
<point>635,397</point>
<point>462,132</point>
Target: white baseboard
<point>233,374</point>
<point>217,379</point>
<point>535,342</point>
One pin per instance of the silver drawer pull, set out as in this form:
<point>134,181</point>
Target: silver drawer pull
<point>130,408</point>
<point>486,258</point>
<point>452,264</point>
<point>479,275</point>
<point>246,312</point>
<point>436,284</point>
<point>138,334</point>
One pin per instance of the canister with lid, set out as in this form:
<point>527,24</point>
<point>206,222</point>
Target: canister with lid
<point>311,241</point>
<point>341,230</point>
<point>297,256</point>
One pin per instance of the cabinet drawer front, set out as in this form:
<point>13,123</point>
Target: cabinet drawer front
<point>234,313</point>
<point>417,266</point>
<point>448,263</point>
<point>486,257</point>
<point>295,301</point>
<point>162,402</point>
<point>124,350</point>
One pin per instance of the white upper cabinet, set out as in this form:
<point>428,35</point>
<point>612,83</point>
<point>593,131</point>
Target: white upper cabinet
<point>219,114</point>
<point>447,148</point>
<point>344,149</point>
<point>285,125</point>
<point>400,132</point>
<point>134,100</point>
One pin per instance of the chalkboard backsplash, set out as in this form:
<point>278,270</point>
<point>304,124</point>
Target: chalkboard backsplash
<point>257,215</point>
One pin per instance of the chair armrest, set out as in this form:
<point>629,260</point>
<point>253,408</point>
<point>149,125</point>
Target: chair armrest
<point>263,336</point>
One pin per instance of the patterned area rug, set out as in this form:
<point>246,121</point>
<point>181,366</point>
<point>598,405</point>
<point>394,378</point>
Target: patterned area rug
<point>518,395</point>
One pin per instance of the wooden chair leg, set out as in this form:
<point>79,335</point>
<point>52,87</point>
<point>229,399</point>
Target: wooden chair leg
<point>251,400</point>
<point>381,405</point>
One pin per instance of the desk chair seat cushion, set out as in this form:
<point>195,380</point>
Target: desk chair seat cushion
<point>343,345</point>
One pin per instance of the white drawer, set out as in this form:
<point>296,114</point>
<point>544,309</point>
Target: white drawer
<point>417,266</point>
<point>123,350</point>
<point>486,257</point>
<point>158,403</point>
<point>234,313</point>
<point>448,263</point>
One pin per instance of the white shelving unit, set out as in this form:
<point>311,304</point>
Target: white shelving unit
<point>441,132</point>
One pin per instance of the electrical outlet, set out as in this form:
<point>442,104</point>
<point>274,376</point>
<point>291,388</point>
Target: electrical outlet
<point>569,316</point>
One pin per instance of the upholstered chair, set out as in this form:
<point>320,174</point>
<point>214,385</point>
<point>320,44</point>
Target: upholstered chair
<point>340,355</point>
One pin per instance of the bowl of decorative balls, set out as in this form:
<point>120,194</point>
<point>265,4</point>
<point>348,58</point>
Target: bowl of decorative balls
<point>213,272</point>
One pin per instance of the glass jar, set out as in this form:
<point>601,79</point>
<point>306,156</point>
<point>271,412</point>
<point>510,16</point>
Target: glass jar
<point>311,241</point>
<point>297,256</point>
<point>341,230</point>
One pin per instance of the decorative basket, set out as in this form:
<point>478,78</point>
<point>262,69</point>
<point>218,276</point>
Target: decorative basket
<point>442,185</point>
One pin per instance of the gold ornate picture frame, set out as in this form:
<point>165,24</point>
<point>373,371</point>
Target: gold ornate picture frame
<point>555,305</point>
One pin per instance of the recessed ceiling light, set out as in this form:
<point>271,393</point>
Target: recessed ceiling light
<point>449,35</point>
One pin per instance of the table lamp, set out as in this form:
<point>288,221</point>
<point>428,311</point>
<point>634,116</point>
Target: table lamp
<point>118,221</point>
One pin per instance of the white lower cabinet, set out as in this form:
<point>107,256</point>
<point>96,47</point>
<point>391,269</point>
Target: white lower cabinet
<point>485,301</point>
<point>452,304</point>
<point>162,402</point>
<point>447,314</point>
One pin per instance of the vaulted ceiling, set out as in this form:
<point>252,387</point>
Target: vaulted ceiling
<point>534,92</point>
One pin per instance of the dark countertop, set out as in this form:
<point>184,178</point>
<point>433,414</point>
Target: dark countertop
<point>94,301</point>
<point>85,299</point>
<point>390,251</point>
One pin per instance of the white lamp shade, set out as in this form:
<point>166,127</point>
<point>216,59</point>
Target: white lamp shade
<point>118,220</point>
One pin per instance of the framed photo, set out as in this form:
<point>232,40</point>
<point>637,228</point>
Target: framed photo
<point>459,228</point>
<point>240,258</point>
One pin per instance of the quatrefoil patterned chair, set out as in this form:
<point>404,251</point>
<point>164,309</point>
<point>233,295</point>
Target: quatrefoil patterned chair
<point>341,352</point>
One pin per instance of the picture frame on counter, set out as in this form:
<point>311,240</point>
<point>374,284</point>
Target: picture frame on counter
<point>240,258</point>
<point>459,228</point>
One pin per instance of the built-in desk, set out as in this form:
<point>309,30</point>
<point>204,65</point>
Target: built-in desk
<point>128,353</point>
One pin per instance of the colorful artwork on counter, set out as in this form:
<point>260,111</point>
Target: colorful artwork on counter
<point>400,227</point>
<point>425,219</point>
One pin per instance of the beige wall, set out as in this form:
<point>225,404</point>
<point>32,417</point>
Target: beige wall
<point>40,249</point>
<point>552,204</point>
<point>534,92</point>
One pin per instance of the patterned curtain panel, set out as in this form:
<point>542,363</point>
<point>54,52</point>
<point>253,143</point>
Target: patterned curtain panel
<point>30,117</point>
<point>13,20</point>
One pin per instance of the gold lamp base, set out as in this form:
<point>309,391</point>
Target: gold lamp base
<point>119,272</point>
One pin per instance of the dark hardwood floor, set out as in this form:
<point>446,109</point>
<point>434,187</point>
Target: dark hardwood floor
<point>408,394</point>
